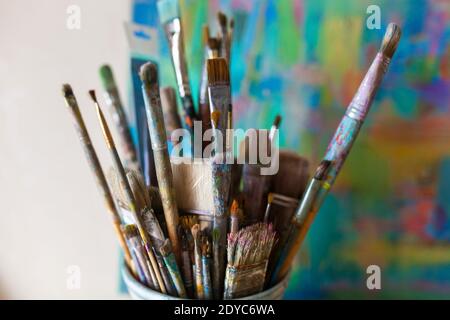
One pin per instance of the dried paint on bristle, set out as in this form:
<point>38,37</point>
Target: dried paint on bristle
<point>67,90</point>
<point>149,73</point>
<point>234,208</point>
<point>218,72</point>
<point>277,121</point>
<point>166,248</point>
<point>391,40</point>
<point>93,96</point>
<point>167,10</point>
<point>107,77</point>
<point>205,34</point>
<point>222,19</point>
<point>215,116</point>
<point>322,169</point>
<point>130,231</point>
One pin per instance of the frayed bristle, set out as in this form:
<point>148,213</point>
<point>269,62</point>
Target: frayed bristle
<point>218,72</point>
<point>222,19</point>
<point>149,74</point>
<point>205,34</point>
<point>166,248</point>
<point>322,169</point>
<point>167,10</point>
<point>93,96</point>
<point>67,90</point>
<point>130,231</point>
<point>391,40</point>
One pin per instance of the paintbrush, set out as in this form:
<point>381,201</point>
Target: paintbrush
<point>223,27</point>
<point>248,254</point>
<point>129,194</point>
<point>169,16</point>
<point>206,273</point>
<point>171,264</point>
<point>187,264</point>
<point>212,46</point>
<point>198,262</point>
<point>165,275</point>
<point>234,217</point>
<point>172,119</point>
<point>220,104</point>
<point>134,241</point>
<point>150,89</point>
<point>340,147</point>
<point>118,115</point>
<point>274,128</point>
<point>96,168</point>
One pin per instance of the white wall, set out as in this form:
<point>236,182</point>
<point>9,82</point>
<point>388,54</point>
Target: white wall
<point>51,215</point>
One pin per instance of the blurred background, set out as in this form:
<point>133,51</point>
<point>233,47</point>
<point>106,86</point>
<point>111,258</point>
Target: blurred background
<point>302,59</point>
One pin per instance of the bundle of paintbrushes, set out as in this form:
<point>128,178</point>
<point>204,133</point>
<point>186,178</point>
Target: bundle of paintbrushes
<point>212,228</point>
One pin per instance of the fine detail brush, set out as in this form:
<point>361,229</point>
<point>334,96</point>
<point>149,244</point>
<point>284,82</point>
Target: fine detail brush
<point>150,89</point>
<point>234,217</point>
<point>134,242</point>
<point>97,170</point>
<point>171,264</point>
<point>128,192</point>
<point>169,16</point>
<point>118,115</point>
<point>198,262</point>
<point>206,274</point>
<point>220,104</point>
<point>340,146</point>
<point>248,254</point>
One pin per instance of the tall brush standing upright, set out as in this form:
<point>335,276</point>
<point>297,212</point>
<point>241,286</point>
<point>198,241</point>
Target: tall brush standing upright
<point>340,147</point>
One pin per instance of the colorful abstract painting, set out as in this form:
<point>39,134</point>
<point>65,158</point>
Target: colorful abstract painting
<point>304,59</point>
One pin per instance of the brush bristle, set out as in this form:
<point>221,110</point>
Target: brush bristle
<point>67,90</point>
<point>391,40</point>
<point>322,169</point>
<point>149,74</point>
<point>234,208</point>
<point>195,230</point>
<point>232,23</point>
<point>277,121</point>
<point>213,43</point>
<point>222,19</point>
<point>107,77</point>
<point>92,95</point>
<point>215,116</point>
<point>168,10</point>
<point>166,248</point>
<point>130,231</point>
<point>218,72</point>
<point>205,34</point>
<point>270,197</point>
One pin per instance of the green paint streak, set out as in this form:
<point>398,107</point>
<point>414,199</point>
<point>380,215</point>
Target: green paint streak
<point>288,34</point>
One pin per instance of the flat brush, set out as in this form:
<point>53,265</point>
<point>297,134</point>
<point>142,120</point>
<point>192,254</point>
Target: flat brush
<point>340,146</point>
<point>150,89</point>
<point>128,192</point>
<point>97,170</point>
<point>118,115</point>
<point>169,16</point>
